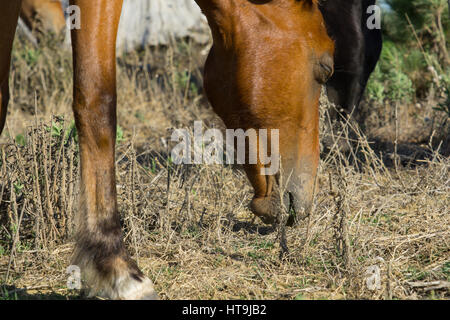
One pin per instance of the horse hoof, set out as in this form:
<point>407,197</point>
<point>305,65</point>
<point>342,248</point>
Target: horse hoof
<point>136,289</point>
<point>127,288</point>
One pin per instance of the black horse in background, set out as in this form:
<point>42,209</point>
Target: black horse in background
<point>357,50</point>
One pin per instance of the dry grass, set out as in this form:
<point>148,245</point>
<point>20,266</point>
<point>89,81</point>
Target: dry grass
<point>189,227</point>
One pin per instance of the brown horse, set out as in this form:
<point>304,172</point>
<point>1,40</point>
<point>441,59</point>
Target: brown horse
<point>45,15</point>
<point>264,71</point>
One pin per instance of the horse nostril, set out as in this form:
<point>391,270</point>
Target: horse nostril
<point>327,62</point>
<point>325,68</point>
<point>292,211</point>
<point>291,203</point>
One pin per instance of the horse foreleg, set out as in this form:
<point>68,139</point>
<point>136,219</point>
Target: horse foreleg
<point>100,252</point>
<point>8,23</point>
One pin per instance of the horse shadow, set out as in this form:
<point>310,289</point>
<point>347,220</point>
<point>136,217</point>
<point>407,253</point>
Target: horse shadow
<point>11,293</point>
